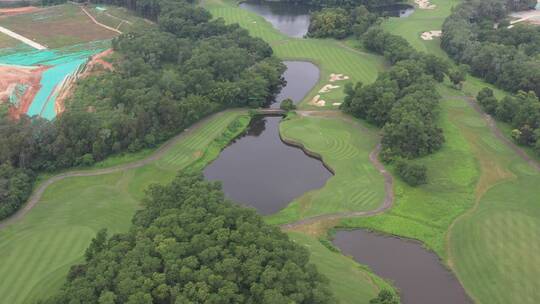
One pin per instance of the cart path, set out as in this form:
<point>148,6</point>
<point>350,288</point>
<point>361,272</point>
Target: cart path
<point>386,204</point>
<point>160,152</point>
<point>498,133</point>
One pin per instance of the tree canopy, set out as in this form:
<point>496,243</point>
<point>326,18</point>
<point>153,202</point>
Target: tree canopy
<point>403,100</point>
<point>477,34</point>
<point>165,78</point>
<point>190,245</point>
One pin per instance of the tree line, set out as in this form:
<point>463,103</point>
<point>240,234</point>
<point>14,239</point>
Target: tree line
<point>403,101</point>
<point>477,34</point>
<point>521,111</point>
<point>166,78</point>
<point>190,245</point>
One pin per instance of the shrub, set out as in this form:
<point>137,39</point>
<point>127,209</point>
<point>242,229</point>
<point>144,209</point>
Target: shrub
<point>287,105</point>
<point>412,174</point>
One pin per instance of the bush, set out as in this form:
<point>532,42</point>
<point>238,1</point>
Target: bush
<point>385,297</point>
<point>287,105</point>
<point>412,174</point>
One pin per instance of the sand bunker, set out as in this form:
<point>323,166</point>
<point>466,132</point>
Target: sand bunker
<point>19,85</point>
<point>17,10</point>
<point>336,104</point>
<point>316,101</point>
<point>431,34</point>
<point>530,16</point>
<point>424,4</point>
<point>337,77</point>
<point>327,88</point>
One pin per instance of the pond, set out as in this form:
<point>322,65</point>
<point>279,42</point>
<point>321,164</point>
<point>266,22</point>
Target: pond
<point>301,77</point>
<point>415,271</point>
<point>292,19</point>
<point>289,18</point>
<point>395,10</point>
<point>259,169</point>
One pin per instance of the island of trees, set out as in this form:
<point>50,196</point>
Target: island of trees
<point>190,245</point>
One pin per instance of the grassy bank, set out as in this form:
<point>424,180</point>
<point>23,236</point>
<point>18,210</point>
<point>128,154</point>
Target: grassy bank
<point>480,207</point>
<point>37,251</point>
<point>344,144</point>
<point>351,282</point>
<point>329,55</point>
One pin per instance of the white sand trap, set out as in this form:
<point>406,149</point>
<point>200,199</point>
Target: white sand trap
<point>327,88</point>
<point>316,101</point>
<point>424,4</point>
<point>336,104</point>
<point>337,77</point>
<point>431,34</point>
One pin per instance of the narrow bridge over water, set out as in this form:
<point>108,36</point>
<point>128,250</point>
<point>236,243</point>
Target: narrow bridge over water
<point>277,112</point>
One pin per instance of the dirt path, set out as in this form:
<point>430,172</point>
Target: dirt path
<point>38,192</point>
<point>387,203</point>
<point>99,23</point>
<point>23,39</point>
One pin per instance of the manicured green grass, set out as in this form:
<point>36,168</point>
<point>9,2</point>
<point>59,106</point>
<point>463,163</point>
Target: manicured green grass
<point>426,212</point>
<point>422,20</point>
<point>344,144</point>
<point>37,251</point>
<point>330,55</point>
<point>351,282</point>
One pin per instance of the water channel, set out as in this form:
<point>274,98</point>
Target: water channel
<point>261,171</point>
<point>416,272</point>
<point>258,169</point>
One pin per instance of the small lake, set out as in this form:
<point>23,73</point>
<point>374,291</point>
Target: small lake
<point>301,77</point>
<point>395,10</point>
<point>289,18</point>
<point>292,19</point>
<point>415,271</point>
<point>260,170</point>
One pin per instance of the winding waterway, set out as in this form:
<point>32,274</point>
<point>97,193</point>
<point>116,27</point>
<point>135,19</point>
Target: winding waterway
<point>260,171</point>
<point>416,272</point>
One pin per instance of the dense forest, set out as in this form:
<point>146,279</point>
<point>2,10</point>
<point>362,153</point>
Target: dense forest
<point>403,100</point>
<point>165,78</point>
<point>190,245</point>
<point>477,34</point>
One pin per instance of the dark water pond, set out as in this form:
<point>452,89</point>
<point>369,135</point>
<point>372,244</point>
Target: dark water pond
<point>416,272</point>
<point>301,76</point>
<point>396,10</point>
<point>261,171</point>
<point>289,18</point>
<point>292,19</point>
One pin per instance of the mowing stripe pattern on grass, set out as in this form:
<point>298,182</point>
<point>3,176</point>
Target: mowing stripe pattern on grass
<point>37,249</point>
